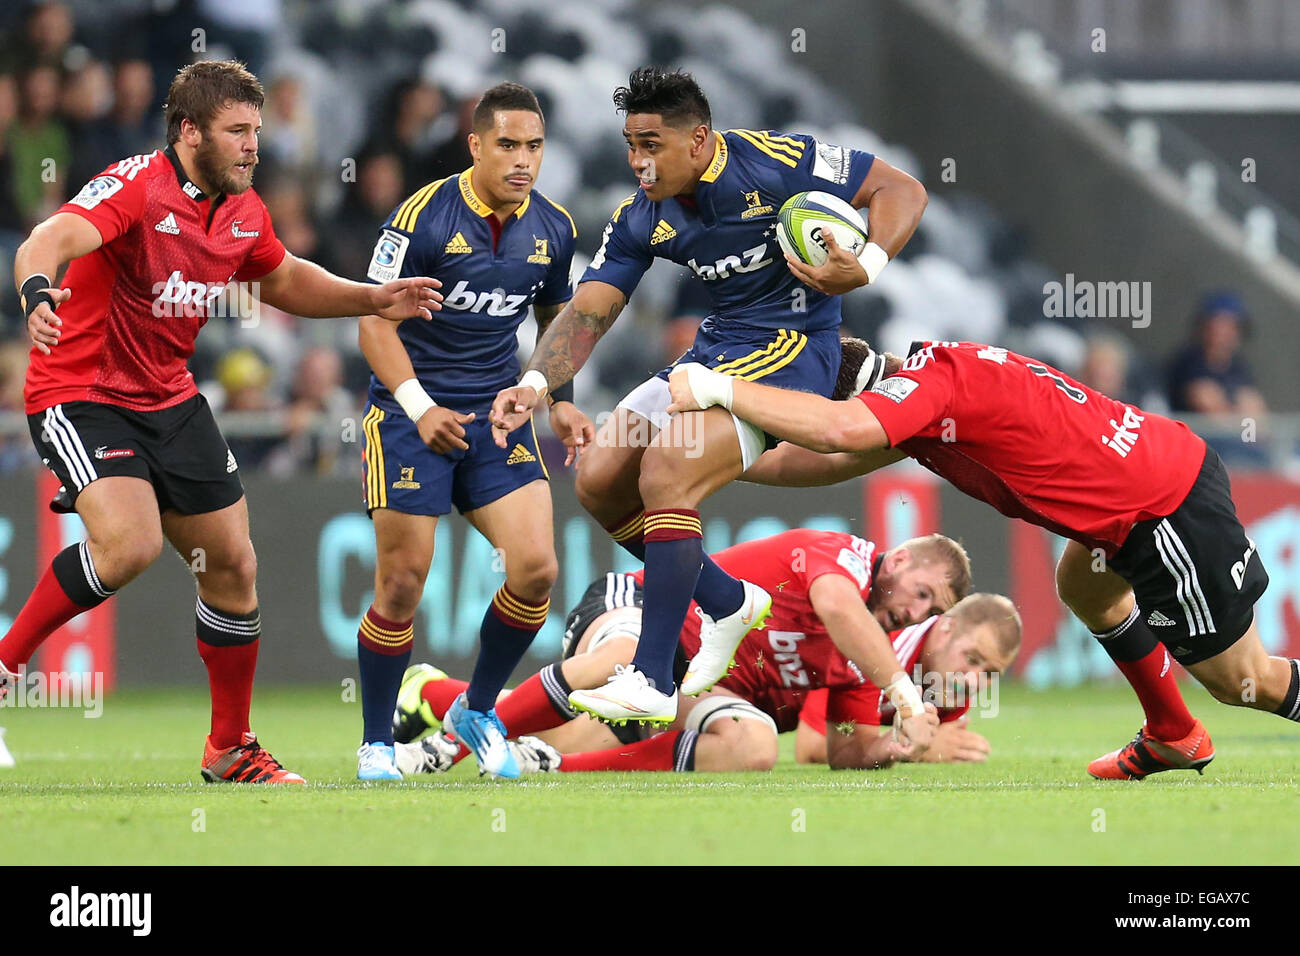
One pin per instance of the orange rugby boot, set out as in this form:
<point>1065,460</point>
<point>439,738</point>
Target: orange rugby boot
<point>1145,755</point>
<point>244,763</point>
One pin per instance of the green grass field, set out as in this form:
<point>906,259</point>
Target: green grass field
<point>124,789</point>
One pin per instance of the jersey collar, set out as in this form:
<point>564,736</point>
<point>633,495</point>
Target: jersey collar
<point>719,161</point>
<point>189,187</point>
<point>479,206</point>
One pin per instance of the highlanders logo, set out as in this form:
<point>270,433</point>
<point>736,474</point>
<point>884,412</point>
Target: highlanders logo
<point>540,256</point>
<point>756,206</point>
<point>408,478</point>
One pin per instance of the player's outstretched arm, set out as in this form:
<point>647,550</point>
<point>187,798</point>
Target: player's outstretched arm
<point>59,239</point>
<point>301,287</point>
<point>562,350</point>
<point>857,635</point>
<point>790,466</point>
<point>806,419</point>
<point>442,429</point>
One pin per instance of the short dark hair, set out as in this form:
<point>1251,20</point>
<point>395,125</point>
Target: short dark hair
<point>673,94</point>
<point>505,96</point>
<point>201,90</point>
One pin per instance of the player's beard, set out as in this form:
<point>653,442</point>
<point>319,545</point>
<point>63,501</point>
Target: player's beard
<point>216,172</point>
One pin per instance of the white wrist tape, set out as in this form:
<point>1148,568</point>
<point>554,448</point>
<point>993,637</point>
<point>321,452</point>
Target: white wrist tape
<point>708,387</point>
<point>415,401</point>
<point>872,371</point>
<point>873,259</point>
<point>536,381</point>
<point>906,699</point>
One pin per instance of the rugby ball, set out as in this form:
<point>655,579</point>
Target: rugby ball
<point>805,216</point>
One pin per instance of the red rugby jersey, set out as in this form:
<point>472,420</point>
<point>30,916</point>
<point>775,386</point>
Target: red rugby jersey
<point>777,666</point>
<point>139,300</point>
<point>867,704</point>
<point>1034,443</point>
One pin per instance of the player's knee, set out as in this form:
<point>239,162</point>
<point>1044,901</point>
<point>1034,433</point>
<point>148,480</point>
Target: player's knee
<point>659,476</point>
<point>398,591</point>
<point>534,580</point>
<point>1241,687</point>
<point>752,744</point>
<point>126,556</point>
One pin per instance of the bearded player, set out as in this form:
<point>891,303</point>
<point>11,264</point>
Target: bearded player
<point>834,596</point>
<point>1156,554</point>
<point>153,241</point>
<point>707,200</point>
<point>498,246</point>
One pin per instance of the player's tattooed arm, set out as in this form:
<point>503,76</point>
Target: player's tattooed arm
<point>563,349</point>
<point>570,339</point>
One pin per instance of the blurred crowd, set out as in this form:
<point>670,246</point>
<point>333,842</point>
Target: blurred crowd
<point>348,133</point>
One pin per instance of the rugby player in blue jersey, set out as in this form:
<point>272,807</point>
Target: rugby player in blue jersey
<point>498,246</point>
<point>708,200</point>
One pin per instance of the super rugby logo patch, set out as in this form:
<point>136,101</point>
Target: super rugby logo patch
<point>390,252</point>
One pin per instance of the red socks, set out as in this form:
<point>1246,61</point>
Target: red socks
<point>660,752</point>
<point>1153,680</point>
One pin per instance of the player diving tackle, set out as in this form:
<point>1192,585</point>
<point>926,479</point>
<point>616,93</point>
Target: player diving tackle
<point>1156,555</point>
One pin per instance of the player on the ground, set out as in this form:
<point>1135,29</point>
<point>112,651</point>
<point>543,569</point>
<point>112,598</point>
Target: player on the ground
<point>954,742</point>
<point>1156,553</point>
<point>153,242</point>
<point>707,200</point>
<point>498,246</point>
<point>830,590</point>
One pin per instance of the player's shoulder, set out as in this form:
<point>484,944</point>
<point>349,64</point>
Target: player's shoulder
<point>559,217</point>
<point>420,207</point>
<point>909,640</point>
<point>120,177</point>
<point>767,148</point>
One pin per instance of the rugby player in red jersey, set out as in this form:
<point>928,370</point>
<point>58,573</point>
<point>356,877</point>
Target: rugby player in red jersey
<point>1156,554</point>
<point>153,242</point>
<point>829,588</point>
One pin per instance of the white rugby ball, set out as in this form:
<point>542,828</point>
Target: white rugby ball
<point>805,216</point>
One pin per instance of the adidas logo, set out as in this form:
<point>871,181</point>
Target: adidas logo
<point>231,464</point>
<point>663,232</point>
<point>458,244</point>
<point>169,226</point>
<point>1159,620</point>
<point>519,455</point>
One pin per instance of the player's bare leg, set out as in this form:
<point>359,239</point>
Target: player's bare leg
<point>609,474</point>
<point>608,486</point>
<point>519,527</point>
<point>123,537</point>
<point>219,552</point>
<point>1245,675</point>
<point>675,477</point>
<point>1170,738</point>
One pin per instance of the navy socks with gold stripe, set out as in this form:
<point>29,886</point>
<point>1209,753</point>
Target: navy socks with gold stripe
<point>509,626</point>
<point>383,651</point>
<point>674,552</point>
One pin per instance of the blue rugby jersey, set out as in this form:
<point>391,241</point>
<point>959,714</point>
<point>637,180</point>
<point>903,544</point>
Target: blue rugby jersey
<point>727,237</point>
<point>466,354</point>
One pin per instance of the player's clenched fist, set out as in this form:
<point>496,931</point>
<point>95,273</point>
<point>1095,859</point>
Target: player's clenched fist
<point>916,732</point>
<point>401,299</point>
<point>43,326</point>
<point>693,386</point>
<point>443,430</point>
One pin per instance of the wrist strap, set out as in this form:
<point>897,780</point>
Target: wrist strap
<point>563,394</point>
<point>873,259</point>
<point>906,699</point>
<point>536,381</point>
<point>415,401</point>
<point>32,294</point>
